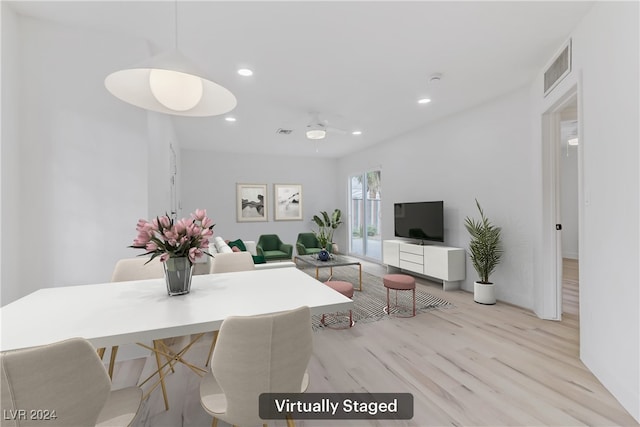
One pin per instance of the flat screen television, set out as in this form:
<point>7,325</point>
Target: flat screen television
<point>419,220</point>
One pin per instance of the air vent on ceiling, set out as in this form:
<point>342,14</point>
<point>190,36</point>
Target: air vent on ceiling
<point>281,131</point>
<point>560,67</point>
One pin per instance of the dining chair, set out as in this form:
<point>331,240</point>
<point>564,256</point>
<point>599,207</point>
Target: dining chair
<point>227,263</point>
<point>62,384</point>
<point>254,355</point>
<point>140,268</point>
<point>132,269</point>
<point>232,261</point>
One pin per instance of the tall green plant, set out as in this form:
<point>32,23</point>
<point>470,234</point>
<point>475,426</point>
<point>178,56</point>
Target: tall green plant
<point>327,224</point>
<point>485,248</point>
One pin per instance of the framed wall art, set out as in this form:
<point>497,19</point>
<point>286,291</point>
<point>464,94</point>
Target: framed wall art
<point>251,202</point>
<point>287,202</point>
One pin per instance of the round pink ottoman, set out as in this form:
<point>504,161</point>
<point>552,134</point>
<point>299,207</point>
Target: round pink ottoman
<point>346,289</point>
<point>399,282</point>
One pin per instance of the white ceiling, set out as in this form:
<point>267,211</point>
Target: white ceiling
<point>360,65</point>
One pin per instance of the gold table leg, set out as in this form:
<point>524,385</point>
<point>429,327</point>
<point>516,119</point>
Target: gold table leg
<point>172,359</point>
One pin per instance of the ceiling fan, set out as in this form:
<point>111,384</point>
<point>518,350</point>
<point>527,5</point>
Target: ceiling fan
<point>317,129</point>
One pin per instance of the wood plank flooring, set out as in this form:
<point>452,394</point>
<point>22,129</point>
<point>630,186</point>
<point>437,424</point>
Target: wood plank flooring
<point>470,365</point>
<point>570,286</point>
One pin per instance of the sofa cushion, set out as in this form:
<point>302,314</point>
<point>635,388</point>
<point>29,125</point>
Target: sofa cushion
<point>238,244</point>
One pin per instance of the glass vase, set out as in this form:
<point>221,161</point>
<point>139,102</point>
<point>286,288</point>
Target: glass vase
<point>177,274</point>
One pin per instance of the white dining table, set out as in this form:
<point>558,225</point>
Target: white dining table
<point>109,314</point>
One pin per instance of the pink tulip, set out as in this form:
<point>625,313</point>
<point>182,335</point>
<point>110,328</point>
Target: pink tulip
<point>194,253</point>
<point>165,256</point>
<point>181,226</point>
<point>143,238</point>
<point>199,214</point>
<point>170,234</point>
<point>151,246</point>
<point>165,221</point>
<point>204,244</point>
<point>193,230</point>
<point>207,222</point>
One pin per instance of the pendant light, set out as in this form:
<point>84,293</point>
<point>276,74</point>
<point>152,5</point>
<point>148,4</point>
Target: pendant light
<point>170,83</point>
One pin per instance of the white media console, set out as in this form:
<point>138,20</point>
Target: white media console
<point>440,262</point>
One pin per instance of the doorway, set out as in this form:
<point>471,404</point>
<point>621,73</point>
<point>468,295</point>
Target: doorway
<point>562,164</point>
<point>364,213</point>
<point>569,204</point>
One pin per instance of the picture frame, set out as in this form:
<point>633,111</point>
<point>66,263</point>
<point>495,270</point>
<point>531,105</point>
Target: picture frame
<point>287,202</point>
<point>251,202</point>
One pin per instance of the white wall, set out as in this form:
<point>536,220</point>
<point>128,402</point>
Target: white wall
<point>483,153</point>
<point>209,182</point>
<point>86,161</point>
<point>10,153</point>
<point>606,51</point>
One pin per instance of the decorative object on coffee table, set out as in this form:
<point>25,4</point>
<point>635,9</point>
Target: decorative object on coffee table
<point>485,250</point>
<point>177,244</point>
<point>323,255</point>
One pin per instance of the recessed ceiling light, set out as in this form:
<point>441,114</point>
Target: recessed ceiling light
<point>356,132</point>
<point>424,101</point>
<point>245,72</point>
<point>573,141</point>
<point>230,119</point>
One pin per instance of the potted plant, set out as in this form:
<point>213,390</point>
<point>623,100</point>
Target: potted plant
<point>485,251</point>
<point>327,224</point>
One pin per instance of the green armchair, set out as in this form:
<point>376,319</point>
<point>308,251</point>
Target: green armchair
<point>272,249</point>
<point>307,244</point>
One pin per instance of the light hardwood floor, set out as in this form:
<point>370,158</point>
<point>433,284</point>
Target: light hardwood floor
<point>470,365</point>
<point>570,287</point>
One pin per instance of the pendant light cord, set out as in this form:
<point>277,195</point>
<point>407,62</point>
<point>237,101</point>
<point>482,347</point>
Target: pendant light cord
<point>175,19</point>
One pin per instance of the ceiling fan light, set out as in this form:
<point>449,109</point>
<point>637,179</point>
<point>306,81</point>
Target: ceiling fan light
<point>316,133</point>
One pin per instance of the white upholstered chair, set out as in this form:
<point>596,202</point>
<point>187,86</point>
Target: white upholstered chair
<point>254,355</point>
<point>132,269</point>
<point>232,261</point>
<point>140,268</point>
<point>67,377</point>
<point>227,263</point>
<point>137,269</point>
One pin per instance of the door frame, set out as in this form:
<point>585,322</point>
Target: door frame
<point>551,214</point>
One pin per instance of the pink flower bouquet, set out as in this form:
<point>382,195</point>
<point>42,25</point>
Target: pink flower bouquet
<point>164,237</point>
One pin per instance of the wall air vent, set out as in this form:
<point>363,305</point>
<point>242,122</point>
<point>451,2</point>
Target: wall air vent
<point>281,131</point>
<point>560,67</point>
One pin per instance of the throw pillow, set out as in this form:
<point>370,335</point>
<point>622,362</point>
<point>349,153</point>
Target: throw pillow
<point>238,244</point>
<point>259,259</point>
<point>235,249</point>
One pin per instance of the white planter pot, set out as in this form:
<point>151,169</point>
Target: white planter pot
<point>484,293</point>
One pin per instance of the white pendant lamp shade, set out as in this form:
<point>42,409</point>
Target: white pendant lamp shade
<point>169,83</point>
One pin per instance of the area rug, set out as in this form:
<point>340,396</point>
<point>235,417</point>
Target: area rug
<point>368,305</point>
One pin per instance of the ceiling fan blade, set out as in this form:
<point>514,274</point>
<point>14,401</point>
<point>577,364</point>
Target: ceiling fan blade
<point>336,130</point>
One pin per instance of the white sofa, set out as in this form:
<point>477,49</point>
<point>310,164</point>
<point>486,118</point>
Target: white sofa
<point>218,245</point>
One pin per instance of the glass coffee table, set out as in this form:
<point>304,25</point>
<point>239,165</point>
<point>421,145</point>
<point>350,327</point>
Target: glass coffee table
<point>334,261</point>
